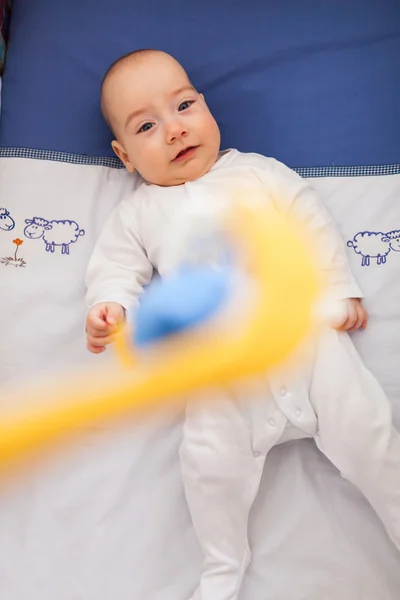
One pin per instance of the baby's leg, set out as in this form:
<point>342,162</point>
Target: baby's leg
<point>355,428</point>
<point>221,474</point>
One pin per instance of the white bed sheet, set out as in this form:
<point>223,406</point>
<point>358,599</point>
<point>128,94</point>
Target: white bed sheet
<point>108,518</point>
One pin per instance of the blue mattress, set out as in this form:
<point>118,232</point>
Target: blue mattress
<point>313,83</point>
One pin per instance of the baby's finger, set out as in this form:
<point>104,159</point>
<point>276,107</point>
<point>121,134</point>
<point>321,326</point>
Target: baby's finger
<point>357,324</point>
<point>96,322</point>
<point>114,316</point>
<point>98,334</point>
<point>365,319</point>
<point>102,340</point>
<point>347,325</point>
<point>350,321</point>
<point>94,348</point>
<point>362,317</point>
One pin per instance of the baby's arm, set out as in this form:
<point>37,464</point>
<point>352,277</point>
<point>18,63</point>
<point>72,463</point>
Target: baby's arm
<point>117,272</point>
<point>295,197</point>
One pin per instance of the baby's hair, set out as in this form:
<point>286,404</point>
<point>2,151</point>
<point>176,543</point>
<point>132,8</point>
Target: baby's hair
<point>119,62</point>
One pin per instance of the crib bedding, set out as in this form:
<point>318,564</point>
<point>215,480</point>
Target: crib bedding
<point>107,518</point>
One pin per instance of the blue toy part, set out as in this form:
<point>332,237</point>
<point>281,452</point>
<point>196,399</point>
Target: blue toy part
<point>186,299</point>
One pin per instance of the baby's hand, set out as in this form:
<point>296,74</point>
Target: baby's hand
<point>354,316</point>
<point>102,323</point>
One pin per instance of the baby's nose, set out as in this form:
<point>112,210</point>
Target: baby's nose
<point>175,130</point>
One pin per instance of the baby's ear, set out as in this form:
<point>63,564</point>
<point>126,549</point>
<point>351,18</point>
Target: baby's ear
<point>122,155</point>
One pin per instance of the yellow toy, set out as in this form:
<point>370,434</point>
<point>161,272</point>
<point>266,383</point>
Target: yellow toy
<point>277,318</point>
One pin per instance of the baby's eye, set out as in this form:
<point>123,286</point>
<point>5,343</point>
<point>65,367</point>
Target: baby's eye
<point>185,105</point>
<point>146,127</point>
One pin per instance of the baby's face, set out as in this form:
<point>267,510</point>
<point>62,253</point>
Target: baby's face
<point>164,128</point>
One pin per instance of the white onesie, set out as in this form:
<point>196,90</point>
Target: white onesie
<point>332,397</point>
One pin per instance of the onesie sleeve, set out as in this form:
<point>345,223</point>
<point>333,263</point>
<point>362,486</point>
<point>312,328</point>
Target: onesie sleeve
<point>296,198</point>
<point>119,267</point>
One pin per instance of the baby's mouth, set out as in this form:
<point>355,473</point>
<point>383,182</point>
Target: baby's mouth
<point>185,153</point>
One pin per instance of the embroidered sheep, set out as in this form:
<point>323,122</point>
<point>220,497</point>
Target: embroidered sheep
<point>54,233</point>
<point>6,221</point>
<point>375,244</point>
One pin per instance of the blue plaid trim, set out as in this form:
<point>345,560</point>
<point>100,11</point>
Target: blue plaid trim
<point>66,157</point>
<point>353,171</point>
<point>115,163</point>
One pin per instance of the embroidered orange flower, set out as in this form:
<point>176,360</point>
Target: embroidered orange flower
<point>18,242</point>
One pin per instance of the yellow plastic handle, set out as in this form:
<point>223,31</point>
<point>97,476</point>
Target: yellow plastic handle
<point>276,319</point>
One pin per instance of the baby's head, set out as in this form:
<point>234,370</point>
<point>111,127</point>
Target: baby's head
<point>162,125</point>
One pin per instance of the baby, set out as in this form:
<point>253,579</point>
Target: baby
<point>165,132</point>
